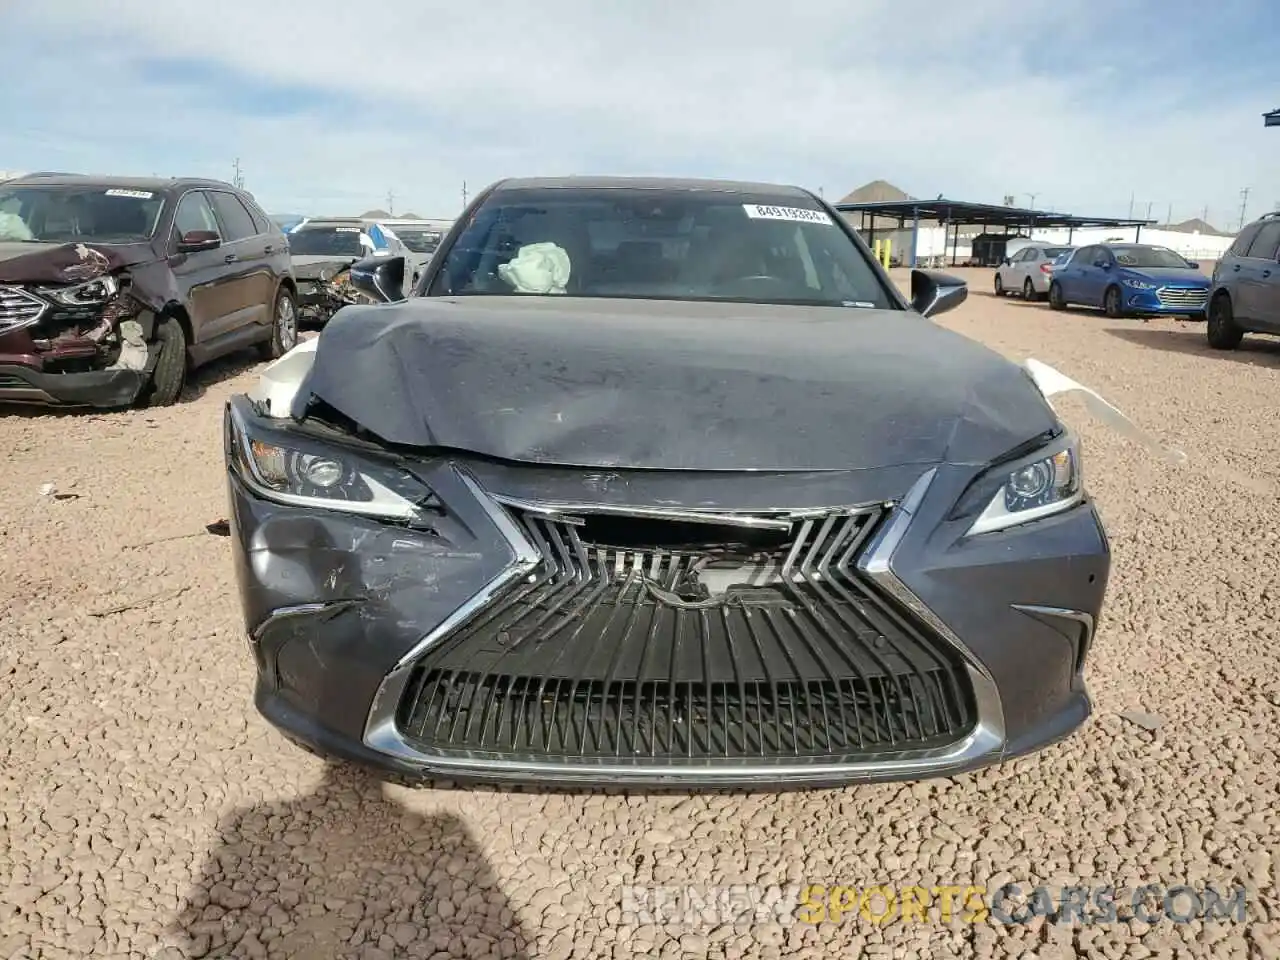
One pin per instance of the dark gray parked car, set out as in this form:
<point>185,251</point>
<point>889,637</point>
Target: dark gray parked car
<point>1245,297</point>
<point>660,482</point>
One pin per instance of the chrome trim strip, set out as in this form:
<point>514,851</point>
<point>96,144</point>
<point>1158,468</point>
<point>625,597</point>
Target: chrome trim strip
<point>380,732</point>
<point>566,510</point>
<point>989,733</point>
<point>987,737</point>
<point>1085,620</point>
<point>288,613</point>
<point>1062,613</point>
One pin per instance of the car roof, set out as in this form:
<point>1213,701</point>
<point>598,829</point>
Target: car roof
<point>649,183</point>
<point>156,184</point>
<point>334,222</point>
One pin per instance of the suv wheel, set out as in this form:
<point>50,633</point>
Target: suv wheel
<point>1221,329</point>
<point>284,327</point>
<point>999,286</point>
<point>170,372</point>
<point>1111,303</point>
<point>1056,300</point>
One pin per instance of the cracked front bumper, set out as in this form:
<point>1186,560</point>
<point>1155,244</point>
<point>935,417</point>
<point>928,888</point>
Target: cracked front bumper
<point>104,389</point>
<point>342,608</point>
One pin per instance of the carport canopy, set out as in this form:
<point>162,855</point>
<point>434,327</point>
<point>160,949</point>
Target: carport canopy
<point>1271,119</point>
<point>959,213</point>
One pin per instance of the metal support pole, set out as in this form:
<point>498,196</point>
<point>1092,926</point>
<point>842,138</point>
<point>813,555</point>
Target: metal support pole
<point>915,234</point>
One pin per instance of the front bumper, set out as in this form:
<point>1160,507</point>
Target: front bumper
<point>336,605</point>
<point>1166,301</point>
<point>93,388</point>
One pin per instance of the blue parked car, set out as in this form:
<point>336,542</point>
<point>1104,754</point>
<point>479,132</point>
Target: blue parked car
<point>1130,279</point>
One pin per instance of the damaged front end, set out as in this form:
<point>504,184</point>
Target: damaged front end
<point>75,329</point>
<point>323,290</point>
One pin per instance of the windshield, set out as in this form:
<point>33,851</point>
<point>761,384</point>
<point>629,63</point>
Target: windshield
<point>419,241</point>
<point>1148,257</point>
<point>72,214</point>
<point>659,244</point>
<point>326,241</point>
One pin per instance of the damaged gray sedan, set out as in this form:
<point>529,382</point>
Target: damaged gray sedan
<point>660,482</point>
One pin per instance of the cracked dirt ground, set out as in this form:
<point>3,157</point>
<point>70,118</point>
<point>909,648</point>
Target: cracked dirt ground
<point>146,811</point>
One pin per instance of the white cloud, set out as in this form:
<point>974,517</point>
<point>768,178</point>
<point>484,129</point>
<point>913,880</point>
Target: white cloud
<point>938,97</point>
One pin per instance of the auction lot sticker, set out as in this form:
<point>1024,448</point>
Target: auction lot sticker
<point>760,211</point>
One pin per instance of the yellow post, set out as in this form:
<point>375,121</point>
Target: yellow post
<point>888,243</point>
<point>877,247</point>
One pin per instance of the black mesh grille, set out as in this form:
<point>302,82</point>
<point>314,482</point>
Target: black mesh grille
<point>658,641</point>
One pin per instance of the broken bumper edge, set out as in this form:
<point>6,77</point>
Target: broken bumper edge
<point>93,388</point>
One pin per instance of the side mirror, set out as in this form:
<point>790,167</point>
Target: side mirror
<point>1008,262</point>
<point>381,278</point>
<point>934,292</point>
<point>1194,264</point>
<point>193,241</point>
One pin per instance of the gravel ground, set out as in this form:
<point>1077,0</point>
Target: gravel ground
<point>146,811</point>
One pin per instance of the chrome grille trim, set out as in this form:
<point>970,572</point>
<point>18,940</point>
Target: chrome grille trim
<point>1182,296</point>
<point>986,740</point>
<point>19,309</point>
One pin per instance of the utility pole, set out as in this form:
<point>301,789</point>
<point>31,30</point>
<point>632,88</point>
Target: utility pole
<point>237,178</point>
<point>464,194</point>
<point>1244,205</point>
<point>391,202</point>
<point>1131,206</point>
<point>1033,199</point>
<point>1204,215</point>
<point>1168,217</point>
<point>1149,209</point>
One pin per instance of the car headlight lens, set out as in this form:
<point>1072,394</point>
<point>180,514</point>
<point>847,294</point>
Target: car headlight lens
<point>304,473</point>
<point>1139,284</point>
<point>91,293</point>
<point>1028,490</point>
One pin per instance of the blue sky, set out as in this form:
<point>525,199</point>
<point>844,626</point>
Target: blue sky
<point>1158,101</point>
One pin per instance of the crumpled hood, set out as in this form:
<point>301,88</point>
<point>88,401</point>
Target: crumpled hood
<point>36,262</point>
<point>672,385</point>
<point>309,266</point>
<point>1168,275</point>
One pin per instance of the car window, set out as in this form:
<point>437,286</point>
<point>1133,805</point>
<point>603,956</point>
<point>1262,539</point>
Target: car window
<point>1144,256</point>
<point>261,222</point>
<point>194,213</point>
<point>1267,241</point>
<point>67,213</point>
<point>235,219</point>
<point>1083,256</point>
<point>659,244</point>
<point>1053,253</point>
<point>322,241</point>
<point>1242,242</point>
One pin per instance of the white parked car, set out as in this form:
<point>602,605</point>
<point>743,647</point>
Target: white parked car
<point>1028,271</point>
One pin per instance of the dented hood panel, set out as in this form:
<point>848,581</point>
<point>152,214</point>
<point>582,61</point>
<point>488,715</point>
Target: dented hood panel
<point>672,385</point>
<point>308,267</point>
<point>67,262</point>
<point>152,281</point>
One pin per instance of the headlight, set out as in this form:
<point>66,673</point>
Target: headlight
<point>304,473</point>
<point>92,292</point>
<point>1138,284</point>
<point>1028,489</point>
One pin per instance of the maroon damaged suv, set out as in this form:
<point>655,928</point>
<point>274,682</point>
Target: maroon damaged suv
<point>111,289</point>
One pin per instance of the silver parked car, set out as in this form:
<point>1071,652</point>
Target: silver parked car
<point>1028,271</point>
